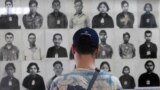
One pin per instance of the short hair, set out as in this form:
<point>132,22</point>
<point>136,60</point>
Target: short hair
<point>102,31</point>
<point>9,65</point>
<point>31,34</point>
<point>30,65</point>
<point>78,1</point>
<point>146,5</point>
<point>9,33</point>
<point>104,62</point>
<point>57,34</point>
<point>56,1</point>
<point>123,2</point>
<point>126,34</point>
<point>148,31</point>
<point>105,3</point>
<point>124,68</point>
<point>149,61</point>
<point>9,1</point>
<point>57,62</point>
<point>33,1</point>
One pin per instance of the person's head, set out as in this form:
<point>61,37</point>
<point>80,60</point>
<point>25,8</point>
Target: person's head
<point>10,69</point>
<point>78,4</point>
<point>126,37</point>
<point>147,7</point>
<point>56,5</point>
<point>33,68</point>
<point>124,5</point>
<point>103,7</point>
<point>31,38</point>
<point>9,3</point>
<point>103,35</point>
<point>58,67</point>
<point>149,66</point>
<point>85,42</point>
<point>33,4</point>
<point>105,66</point>
<point>126,70</point>
<point>148,35</point>
<point>57,39</point>
<point>9,37</point>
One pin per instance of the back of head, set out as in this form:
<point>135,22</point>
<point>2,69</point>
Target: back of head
<point>86,41</point>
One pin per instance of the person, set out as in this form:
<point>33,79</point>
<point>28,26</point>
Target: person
<point>149,78</point>
<point>79,19</point>
<point>148,49</point>
<point>57,50</point>
<point>126,49</point>
<point>9,82</point>
<point>9,51</point>
<point>33,81</point>
<point>33,20</point>
<point>57,19</point>
<point>58,68</point>
<point>127,81</point>
<point>33,52</point>
<point>105,50</point>
<point>102,20</point>
<point>84,49</point>
<point>9,20</point>
<point>148,19</point>
<point>125,19</point>
<point>105,66</point>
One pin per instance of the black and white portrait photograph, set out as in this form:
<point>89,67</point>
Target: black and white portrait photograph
<point>103,14</point>
<point>33,14</point>
<point>148,15</point>
<point>126,13</point>
<point>10,47</point>
<point>57,44</point>
<point>10,77</point>
<point>33,45</point>
<point>33,74</point>
<point>9,18</point>
<point>148,44</point>
<point>105,65</point>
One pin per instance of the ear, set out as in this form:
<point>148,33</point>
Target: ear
<point>73,50</point>
<point>96,51</point>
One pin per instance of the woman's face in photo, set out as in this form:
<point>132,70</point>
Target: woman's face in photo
<point>33,70</point>
<point>105,67</point>
<point>102,8</point>
<point>148,8</point>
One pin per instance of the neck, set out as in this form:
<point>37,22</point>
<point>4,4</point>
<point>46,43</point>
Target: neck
<point>85,61</point>
<point>32,45</point>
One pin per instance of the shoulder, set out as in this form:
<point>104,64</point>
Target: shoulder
<point>51,48</point>
<point>63,48</point>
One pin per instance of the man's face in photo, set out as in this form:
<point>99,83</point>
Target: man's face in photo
<point>78,7</point>
<point>8,4</point>
<point>58,69</point>
<point>10,70</point>
<point>33,8</point>
<point>57,40</point>
<point>126,38</point>
<point>149,67</point>
<point>125,7</point>
<point>32,39</point>
<point>9,39</point>
<point>103,36</point>
<point>56,6</point>
<point>126,71</point>
<point>33,70</point>
<point>148,37</point>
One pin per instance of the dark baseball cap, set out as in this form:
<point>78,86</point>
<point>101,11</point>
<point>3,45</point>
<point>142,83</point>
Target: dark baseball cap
<point>83,34</point>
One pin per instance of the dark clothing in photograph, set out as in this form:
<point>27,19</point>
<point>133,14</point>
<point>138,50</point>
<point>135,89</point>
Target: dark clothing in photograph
<point>148,50</point>
<point>56,52</point>
<point>102,21</point>
<point>148,21</point>
<point>9,83</point>
<point>9,22</point>
<point>148,80</point>
<point>105,51</point>
<point>127,81</point>
<point>34,82</point>
<point>57,20</point>
<point>7,54</point>
<point>32,21</point>
<point>125,20</point>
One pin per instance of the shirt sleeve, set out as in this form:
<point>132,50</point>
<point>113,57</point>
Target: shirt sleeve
<point>116,83</point>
